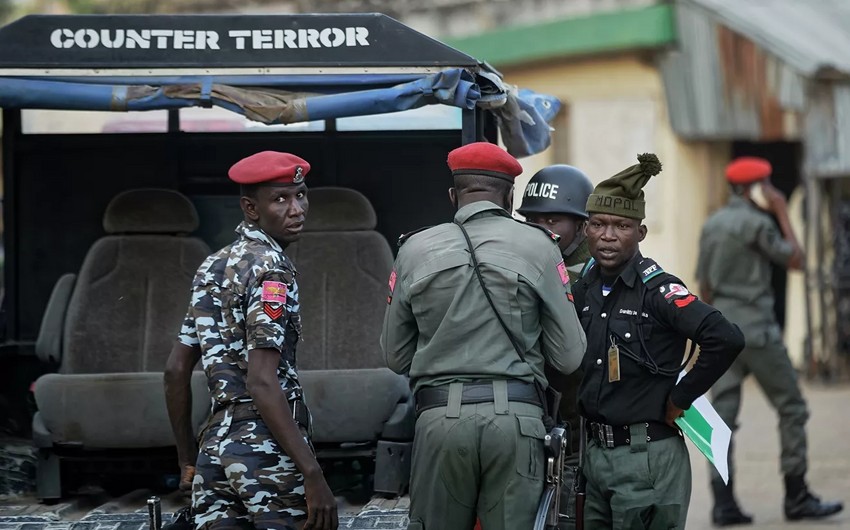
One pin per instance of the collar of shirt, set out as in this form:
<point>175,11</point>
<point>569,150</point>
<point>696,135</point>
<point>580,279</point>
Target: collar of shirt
<point>628,276</point>
<point>737,201</point>
<point>255,233</point>
<point>477,207</point>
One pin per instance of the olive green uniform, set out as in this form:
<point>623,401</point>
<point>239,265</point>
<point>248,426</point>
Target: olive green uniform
<point>737,246</point>
<point>483,459</point>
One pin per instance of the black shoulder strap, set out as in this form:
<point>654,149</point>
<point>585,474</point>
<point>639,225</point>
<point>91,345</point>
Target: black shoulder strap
<point>650,272</point>
<point>404,237</point>
<point>550,234</point>
<point>476,267</point>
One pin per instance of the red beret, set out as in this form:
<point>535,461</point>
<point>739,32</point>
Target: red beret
<point>484,158</point>
<point>269,166</point>
<point>748,169</point>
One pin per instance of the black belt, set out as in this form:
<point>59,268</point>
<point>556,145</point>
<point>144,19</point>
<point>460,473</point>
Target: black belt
<point>614,436</point>
<point>248,411</point>
<point>431,397</point>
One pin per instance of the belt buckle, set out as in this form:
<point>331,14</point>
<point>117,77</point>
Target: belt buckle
<point>609,436</point>
<point>604,434</point>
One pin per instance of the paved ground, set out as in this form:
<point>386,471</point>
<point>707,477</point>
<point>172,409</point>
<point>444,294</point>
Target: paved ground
<point>759,482</point>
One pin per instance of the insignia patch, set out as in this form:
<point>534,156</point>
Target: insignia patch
<point>674,289</point>
<point>274,292</point>
<point>273,312</point>
<point>562,270</point>
<point>299,175</point>
<point>393,278</point>
<point>684,302</point>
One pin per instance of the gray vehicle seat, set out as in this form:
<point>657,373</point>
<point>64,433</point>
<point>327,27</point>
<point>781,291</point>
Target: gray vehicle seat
<point>344,265</point>
<point>111,330</point>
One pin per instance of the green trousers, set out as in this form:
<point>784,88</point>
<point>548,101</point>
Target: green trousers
<point>481,460</point>
<point>645,485</point>
<point>777,378</point>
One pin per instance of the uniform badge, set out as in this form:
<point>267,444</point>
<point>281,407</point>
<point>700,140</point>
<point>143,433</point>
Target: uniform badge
<point>677,294</point>
<point>299,175</point>
<point>273,298</point>
<point>562,270</point>
<point>274,292</point>
<point>392,281</point>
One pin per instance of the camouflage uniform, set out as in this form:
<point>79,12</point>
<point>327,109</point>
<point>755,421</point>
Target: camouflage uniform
<point>244,297</point>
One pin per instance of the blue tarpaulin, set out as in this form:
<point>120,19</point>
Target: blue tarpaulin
<point>522,116</point>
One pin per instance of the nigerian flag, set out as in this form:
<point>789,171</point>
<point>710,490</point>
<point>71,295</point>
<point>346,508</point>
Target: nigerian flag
<point>704,427</point>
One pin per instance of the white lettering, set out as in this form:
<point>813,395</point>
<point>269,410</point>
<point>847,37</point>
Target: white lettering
<point>162,37</point>
<point>308,37</point>
<point>650,270</point>
<point>356,36</point>
<point>86,38</point>
<point>110,42</point>
<point>545,190</point>
<point>240,35</point>
<point>338,37</point>
<point>212,40</point>
<point>184,39</point>
<point>142,40</point>
<point>262,39</point>
<point>290,38</point>
<point>56,38</point>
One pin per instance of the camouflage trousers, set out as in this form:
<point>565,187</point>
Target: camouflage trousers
<point>243,480</point>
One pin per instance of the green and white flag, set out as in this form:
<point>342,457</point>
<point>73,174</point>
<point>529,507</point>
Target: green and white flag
<point>704,427</point>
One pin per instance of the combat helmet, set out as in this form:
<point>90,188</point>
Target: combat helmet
<point>557,189</point>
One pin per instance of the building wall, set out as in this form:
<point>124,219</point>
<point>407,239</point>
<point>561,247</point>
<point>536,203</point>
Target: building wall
<point>614,108</point>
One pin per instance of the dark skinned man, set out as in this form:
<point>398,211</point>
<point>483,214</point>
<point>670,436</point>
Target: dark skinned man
<point>738,244</point>
<point>255,467</point>
<point>638,319</point>
<point>478,446</point>
<point>555,198</point>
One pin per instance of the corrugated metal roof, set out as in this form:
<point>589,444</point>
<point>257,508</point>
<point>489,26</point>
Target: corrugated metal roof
<point>812,36</point>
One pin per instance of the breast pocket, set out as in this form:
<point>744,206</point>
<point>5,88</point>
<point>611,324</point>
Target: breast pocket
<point>626,334</point>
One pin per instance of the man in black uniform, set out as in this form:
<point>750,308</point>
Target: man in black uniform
<point>637,319</point>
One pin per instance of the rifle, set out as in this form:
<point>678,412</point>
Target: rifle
<point>580,482</point>
<point>548,511</point>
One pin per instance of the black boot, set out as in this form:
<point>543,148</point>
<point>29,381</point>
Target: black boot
<point>801,504</point>
<point>726,511</point>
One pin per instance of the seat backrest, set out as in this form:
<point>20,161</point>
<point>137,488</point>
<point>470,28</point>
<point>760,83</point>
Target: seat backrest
<point>343,265</point>
<point>133,288</point>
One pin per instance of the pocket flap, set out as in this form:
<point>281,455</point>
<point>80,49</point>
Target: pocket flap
<point>531,427</point>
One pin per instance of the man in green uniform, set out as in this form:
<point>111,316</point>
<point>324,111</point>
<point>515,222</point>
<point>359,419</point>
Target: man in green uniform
<point>738,244</point>
<point>638,319</point>
<point>555,198</point>
<point>478,446</point>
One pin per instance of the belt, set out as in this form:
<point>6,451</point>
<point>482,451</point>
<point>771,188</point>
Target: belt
<point>432,397</point>
<point>248,411</point>
<point>614,436</point>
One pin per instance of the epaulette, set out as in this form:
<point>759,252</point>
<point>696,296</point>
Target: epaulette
<point>550,234</point>
<point>648,270</point>
<point>404,237</point>
<point>587,266</point>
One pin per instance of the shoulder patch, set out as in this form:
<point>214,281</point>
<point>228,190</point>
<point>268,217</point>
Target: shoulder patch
<point>676,294</point>
<point>404,237</point>
<point>550,234</point>
<point>648,269</point>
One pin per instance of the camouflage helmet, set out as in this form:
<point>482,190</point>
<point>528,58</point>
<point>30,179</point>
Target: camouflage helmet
<point>557,189</point>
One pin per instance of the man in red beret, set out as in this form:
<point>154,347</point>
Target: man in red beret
<point>255,467</point>
<point>476,308</point>
<point>738,244</point>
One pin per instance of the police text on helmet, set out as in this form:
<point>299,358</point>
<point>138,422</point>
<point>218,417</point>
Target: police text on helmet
<point>538,189</point>
<point>189,39</point>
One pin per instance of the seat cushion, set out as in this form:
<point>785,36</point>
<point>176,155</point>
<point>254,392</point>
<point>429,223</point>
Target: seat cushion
<point>352,405</point>
<point>114,410</point>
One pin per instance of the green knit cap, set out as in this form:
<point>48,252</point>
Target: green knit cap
<point>622,194</point>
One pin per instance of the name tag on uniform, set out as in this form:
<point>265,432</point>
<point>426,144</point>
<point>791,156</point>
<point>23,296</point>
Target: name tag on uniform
<point>613,364</point>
